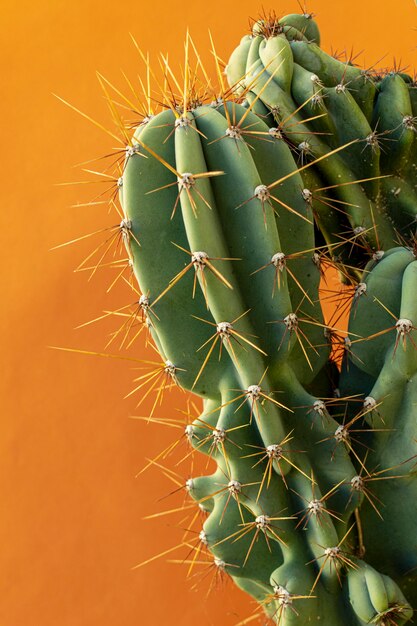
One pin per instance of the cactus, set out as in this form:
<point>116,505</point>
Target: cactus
<point>194,189</point>
<point>228,208</point>
<point>318,103</point>
<point>208,193</point>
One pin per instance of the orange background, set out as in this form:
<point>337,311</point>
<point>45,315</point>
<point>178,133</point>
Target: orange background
<point>71,526</point>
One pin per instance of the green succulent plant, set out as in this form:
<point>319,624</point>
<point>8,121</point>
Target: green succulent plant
<point>234,206</point>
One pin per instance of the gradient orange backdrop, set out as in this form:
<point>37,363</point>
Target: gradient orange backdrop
<point>71,520</point>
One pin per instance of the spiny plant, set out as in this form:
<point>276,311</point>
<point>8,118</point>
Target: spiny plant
<point>316,102</point>
<point>234,202</point>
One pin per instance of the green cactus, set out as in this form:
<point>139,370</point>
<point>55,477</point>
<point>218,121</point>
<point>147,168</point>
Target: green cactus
<point>320,103</point>
<point>208,193</point>
<point>228,208</point>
